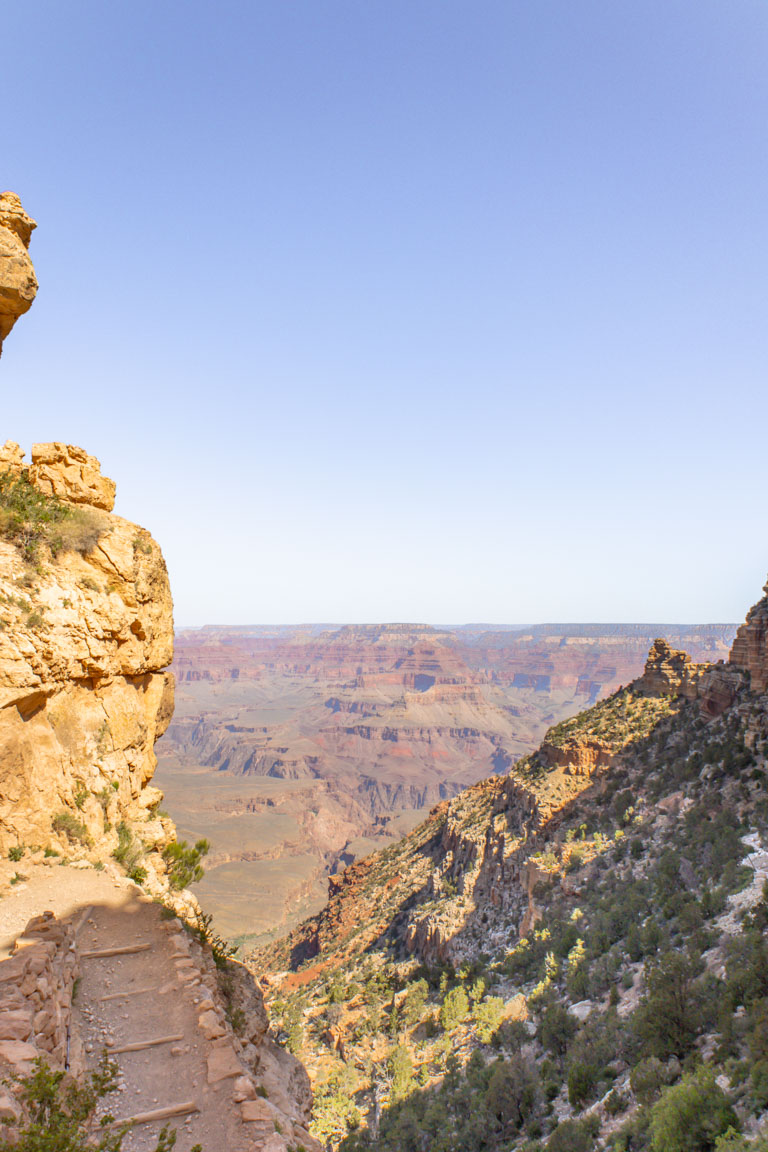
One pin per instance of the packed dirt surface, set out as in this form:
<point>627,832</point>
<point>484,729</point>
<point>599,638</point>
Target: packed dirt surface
<point>141,997</point>
<point>65,889</point>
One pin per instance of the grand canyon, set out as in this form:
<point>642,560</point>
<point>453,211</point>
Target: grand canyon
<point>297,750</point>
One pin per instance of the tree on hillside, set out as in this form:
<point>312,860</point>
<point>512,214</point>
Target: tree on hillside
<point>690,1116</point>
<point>669,1017</point>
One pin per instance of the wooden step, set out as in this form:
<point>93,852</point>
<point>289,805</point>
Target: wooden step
<point>131,992</point>
<point>160,1113</point>
<point>140,1045</point>
<point>97,953</point>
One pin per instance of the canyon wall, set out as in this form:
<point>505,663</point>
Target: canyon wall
<point>85,646</point>
<point>750,648</point>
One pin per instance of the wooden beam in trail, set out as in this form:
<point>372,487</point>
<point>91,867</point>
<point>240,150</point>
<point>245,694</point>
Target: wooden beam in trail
<point>140,1045</point>
<point>160,1113</point>
<point>130,992</point>
<point>127,950</point>
<point>82,919</point>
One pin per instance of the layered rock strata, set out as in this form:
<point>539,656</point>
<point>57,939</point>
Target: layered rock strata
<point>18,283</point>
<point>669,672</point>
<point>750,648</point>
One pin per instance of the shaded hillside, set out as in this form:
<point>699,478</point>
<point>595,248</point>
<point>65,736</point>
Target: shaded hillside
<point>564,957</point>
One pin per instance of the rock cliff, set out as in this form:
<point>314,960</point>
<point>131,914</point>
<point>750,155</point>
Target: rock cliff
<point>18,283</point>
<point>670,673</point>
<point>86,641</point>
<point>750,648</point>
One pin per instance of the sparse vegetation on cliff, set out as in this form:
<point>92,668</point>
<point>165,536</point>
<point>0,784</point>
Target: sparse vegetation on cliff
<point>622,718</point>
<point>31,520</point>
<point>184,862</point>
<point>626,1013</point>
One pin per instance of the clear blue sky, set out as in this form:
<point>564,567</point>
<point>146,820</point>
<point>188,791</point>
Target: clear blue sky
<point>405,309</point>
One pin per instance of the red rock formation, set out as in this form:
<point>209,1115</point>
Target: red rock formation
<point>750,648</point>
<point>670,673</point>
<point>578,757</point>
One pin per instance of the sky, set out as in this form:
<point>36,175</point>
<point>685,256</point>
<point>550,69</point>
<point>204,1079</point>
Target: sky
<point>423,310</point>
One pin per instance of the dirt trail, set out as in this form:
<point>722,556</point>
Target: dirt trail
<point>152,1003</point>
<point>152,991</point>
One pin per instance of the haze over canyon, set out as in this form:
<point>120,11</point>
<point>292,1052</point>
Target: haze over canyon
<point>296,750</point>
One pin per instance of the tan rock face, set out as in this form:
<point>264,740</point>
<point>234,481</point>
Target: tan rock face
<point>84,686</point>
<point>578,757</point>
<point>18,283</point>
<point>66,471</point>
<point>750,648</point>
<point>669,672</point>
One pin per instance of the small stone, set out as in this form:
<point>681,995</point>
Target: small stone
<point>223,1064</point>
<point>9,1109</point>
<point>19,1054</point>
<point>243,1089</point>
<point>210,1025</point>
<point>15,1025</point>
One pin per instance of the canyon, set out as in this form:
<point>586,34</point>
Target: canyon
<point>298,750</point>
<point>505,975</point>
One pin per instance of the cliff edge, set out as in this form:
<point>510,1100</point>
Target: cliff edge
<point>86,641</point>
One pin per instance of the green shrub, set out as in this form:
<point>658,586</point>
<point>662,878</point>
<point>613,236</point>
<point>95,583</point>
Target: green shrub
<point>415,1002</point>
<point>556,1028</point>
<point>400,1068</point>
<point>488,1015</point>
<point>129,851</point>
<point>16,852</point>
<point>203,930</point>
<point>669,1017</point>
<point>513,1093</point>
<point>183,862</point>
<point>30,520</point>
<point>582,1081</point>
<point>647,1079</point>
<point>731,1141</point>
<point>61,1114</point>
<point>691,1115</point>
<point>68,825</point>
<point>454,1009</point>
<point>574,1136</point>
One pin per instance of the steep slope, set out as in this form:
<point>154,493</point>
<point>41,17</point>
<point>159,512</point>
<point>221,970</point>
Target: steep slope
<point>561,957</point>
<point>315,746</point>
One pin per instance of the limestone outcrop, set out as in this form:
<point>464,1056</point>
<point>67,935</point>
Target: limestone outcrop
<point>669,672</point>
<point>68,472</point>
<point>18,283</point>
<point>85,691</point>
<point>577,757</point>
<point>750,648</point>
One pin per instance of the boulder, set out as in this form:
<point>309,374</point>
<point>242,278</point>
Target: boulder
<point>18,283</point>
<point>66,471</point>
